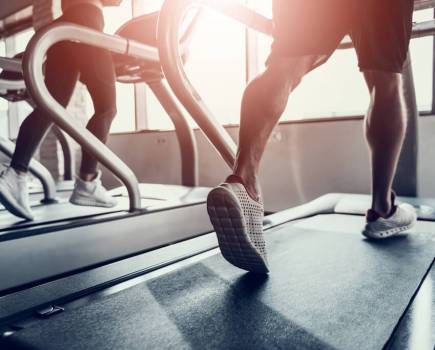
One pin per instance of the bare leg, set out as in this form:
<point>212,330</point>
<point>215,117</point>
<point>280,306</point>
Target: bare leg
<point>385,128</point>
<point>263,103</point>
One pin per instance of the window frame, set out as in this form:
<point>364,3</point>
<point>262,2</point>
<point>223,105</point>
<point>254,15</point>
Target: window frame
<point>252,69</point>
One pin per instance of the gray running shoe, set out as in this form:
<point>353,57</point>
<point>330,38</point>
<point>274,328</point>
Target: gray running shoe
<point>403,218</point>
<point>92,194</point>
<point>238,222</point>
<point>14,193</point>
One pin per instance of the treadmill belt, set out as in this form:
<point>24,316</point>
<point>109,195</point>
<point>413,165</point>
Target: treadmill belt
<point>329,289</point>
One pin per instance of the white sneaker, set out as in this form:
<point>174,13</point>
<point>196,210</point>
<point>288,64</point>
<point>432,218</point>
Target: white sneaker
<point>14,193</point>
<point>238,222</point>
<point>402,219</point>
<point>91,193</point>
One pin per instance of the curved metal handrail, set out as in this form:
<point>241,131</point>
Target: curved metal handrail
<point>423,4</point>
<point>7,147</point>
<point>170,20</point>
<point>11,64</point>
<point>12,84</point>
<point>185,135</point>
<point>32,66</point>
<point>67,152</point>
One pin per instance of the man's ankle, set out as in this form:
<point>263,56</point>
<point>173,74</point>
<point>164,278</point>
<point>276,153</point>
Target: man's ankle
<point>249,184</point>
<point>384,209</point>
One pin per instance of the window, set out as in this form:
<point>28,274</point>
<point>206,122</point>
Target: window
<point>216,67</point>
<point>18,44</point>
<point>338,88</point>
<point>422,63</point>
<point>3,103</point>
<point>22,39</point>
<point>125,120</point>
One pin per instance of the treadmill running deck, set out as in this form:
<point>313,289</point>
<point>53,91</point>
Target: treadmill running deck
<point>329,289</point>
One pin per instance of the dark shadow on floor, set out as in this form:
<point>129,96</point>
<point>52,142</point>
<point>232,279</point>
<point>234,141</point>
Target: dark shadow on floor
<point>210,313</point>
<point>11,343</point>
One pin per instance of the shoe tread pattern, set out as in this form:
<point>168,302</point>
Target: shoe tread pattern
<point>238,225</point>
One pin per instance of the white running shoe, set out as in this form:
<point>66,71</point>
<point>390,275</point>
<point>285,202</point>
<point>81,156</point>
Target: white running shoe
<point>403,218</point>
<point>14,193</point>
<point>238,222</point>
<point>91,193</point>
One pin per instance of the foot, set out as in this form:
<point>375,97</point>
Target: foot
<point>91,193</point>
<point>14,194</point>
<point>401,218</point>
<point>238,221</point>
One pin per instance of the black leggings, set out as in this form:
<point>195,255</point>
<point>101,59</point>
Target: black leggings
<point>68,62</point>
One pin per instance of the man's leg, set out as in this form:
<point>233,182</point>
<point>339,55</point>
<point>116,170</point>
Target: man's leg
<point>263,103</point>
<point>235,207</point>
<point>306,32</point>
<point>385,127</point>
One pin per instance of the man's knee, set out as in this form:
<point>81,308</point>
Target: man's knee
<point>289,70</point>
<point>384,85</point>
<point>108,113</point>
<point>270,90</point>
<point>387,112</point>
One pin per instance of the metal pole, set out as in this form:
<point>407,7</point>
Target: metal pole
<point>185,136</point>
<point>36,169</point>
<point>11,64</point>
<point>405,182</point>
<point>12,84</point>
<point>170,20</point>
<point>433,73</point>
<point>423,4</point>
<point>67,152</point>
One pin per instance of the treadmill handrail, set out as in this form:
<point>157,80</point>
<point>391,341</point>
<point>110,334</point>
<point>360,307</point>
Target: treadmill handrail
<point>34,77</point>
<point>7,147</point>
<point>423,4</point>
<point>36,169</point>
<point>11,64</point>
<point>170,21</point>
<point>12,84</point>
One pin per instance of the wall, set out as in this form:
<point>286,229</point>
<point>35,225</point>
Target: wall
<point>426,164</point>
<point>302,161</point>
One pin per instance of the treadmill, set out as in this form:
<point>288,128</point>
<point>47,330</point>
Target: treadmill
<point>329,287</point>
<point>65,238</point>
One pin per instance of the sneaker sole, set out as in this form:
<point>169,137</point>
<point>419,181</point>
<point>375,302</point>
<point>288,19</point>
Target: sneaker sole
<point>89,203</point>
<point>398,231</point>
<point>226,216</point>
<point>13,207</point>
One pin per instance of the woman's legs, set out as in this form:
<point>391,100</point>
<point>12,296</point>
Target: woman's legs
<point>98,74</point>
<point>61,77</point>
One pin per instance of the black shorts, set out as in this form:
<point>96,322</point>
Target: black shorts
<point>380,29</point>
